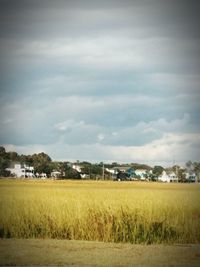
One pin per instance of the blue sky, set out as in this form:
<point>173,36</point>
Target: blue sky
<point>101,80</point>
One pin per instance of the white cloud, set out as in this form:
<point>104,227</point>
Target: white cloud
<point>68,125</point>
<point>105,52</point>
<point>162,151</point>
<point>100,137</point>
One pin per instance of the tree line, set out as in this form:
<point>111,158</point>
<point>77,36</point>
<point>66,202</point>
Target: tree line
<point>42,163</point>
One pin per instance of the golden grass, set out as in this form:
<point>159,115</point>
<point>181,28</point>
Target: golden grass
<point>101,211</point>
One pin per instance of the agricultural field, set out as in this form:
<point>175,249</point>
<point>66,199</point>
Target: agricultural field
<point>99,223</point>
<point>125,212</point>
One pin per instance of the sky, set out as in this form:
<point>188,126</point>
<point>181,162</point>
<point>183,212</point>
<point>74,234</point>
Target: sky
<point>111,81</point>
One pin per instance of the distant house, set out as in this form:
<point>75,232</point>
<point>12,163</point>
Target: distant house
<point>122,176</point>
<point>112,171</point>
<point>173,177</point>
<point>168,177</point>
<point>84,176</point>
<point>121,168</point>
<point>126,172</point>
<point>191,177</point>
<point>21,171</point>
<point>41,175</point>
<point>142,173</point>
<point>131,173</point>
<point>55,174</point>
<point>76,167</point>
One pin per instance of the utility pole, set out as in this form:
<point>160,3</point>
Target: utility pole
<point>103,172</point>
<point>176,170</point>
<point>90,171</point>
<point>177,173</point>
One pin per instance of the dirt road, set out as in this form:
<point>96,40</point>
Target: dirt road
<point>37,252</point>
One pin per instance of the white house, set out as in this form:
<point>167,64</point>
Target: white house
<point>76,167</point>
<point>84,176</point>
<point>191,177</point>
<point>21,171</point>
<point>55,174</point>
<point>168,178</point>
<point>112,171</point>
<point>142,173</point>
<point>173,177</point>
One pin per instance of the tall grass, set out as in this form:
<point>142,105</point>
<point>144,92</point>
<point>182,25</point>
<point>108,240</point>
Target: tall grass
<point>102,211</point>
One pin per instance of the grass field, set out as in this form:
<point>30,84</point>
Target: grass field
<point>148,213</point>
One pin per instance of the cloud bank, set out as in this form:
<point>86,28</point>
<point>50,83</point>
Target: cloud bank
<point>101,81</point>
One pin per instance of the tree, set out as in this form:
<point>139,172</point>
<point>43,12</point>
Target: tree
<point>4,162</point>
<point>190,166</point>
<point>86,168</point>
<point>140,166</point>
<point>42,163</point>
<point>67,172</point>
<point>70,173</point>
<point>193,167</point>
<point>197,169</point>
<point>157,170</point>
<point>2,151</point>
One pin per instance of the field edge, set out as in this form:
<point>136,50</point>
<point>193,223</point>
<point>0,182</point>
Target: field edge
<point>48,252</point>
